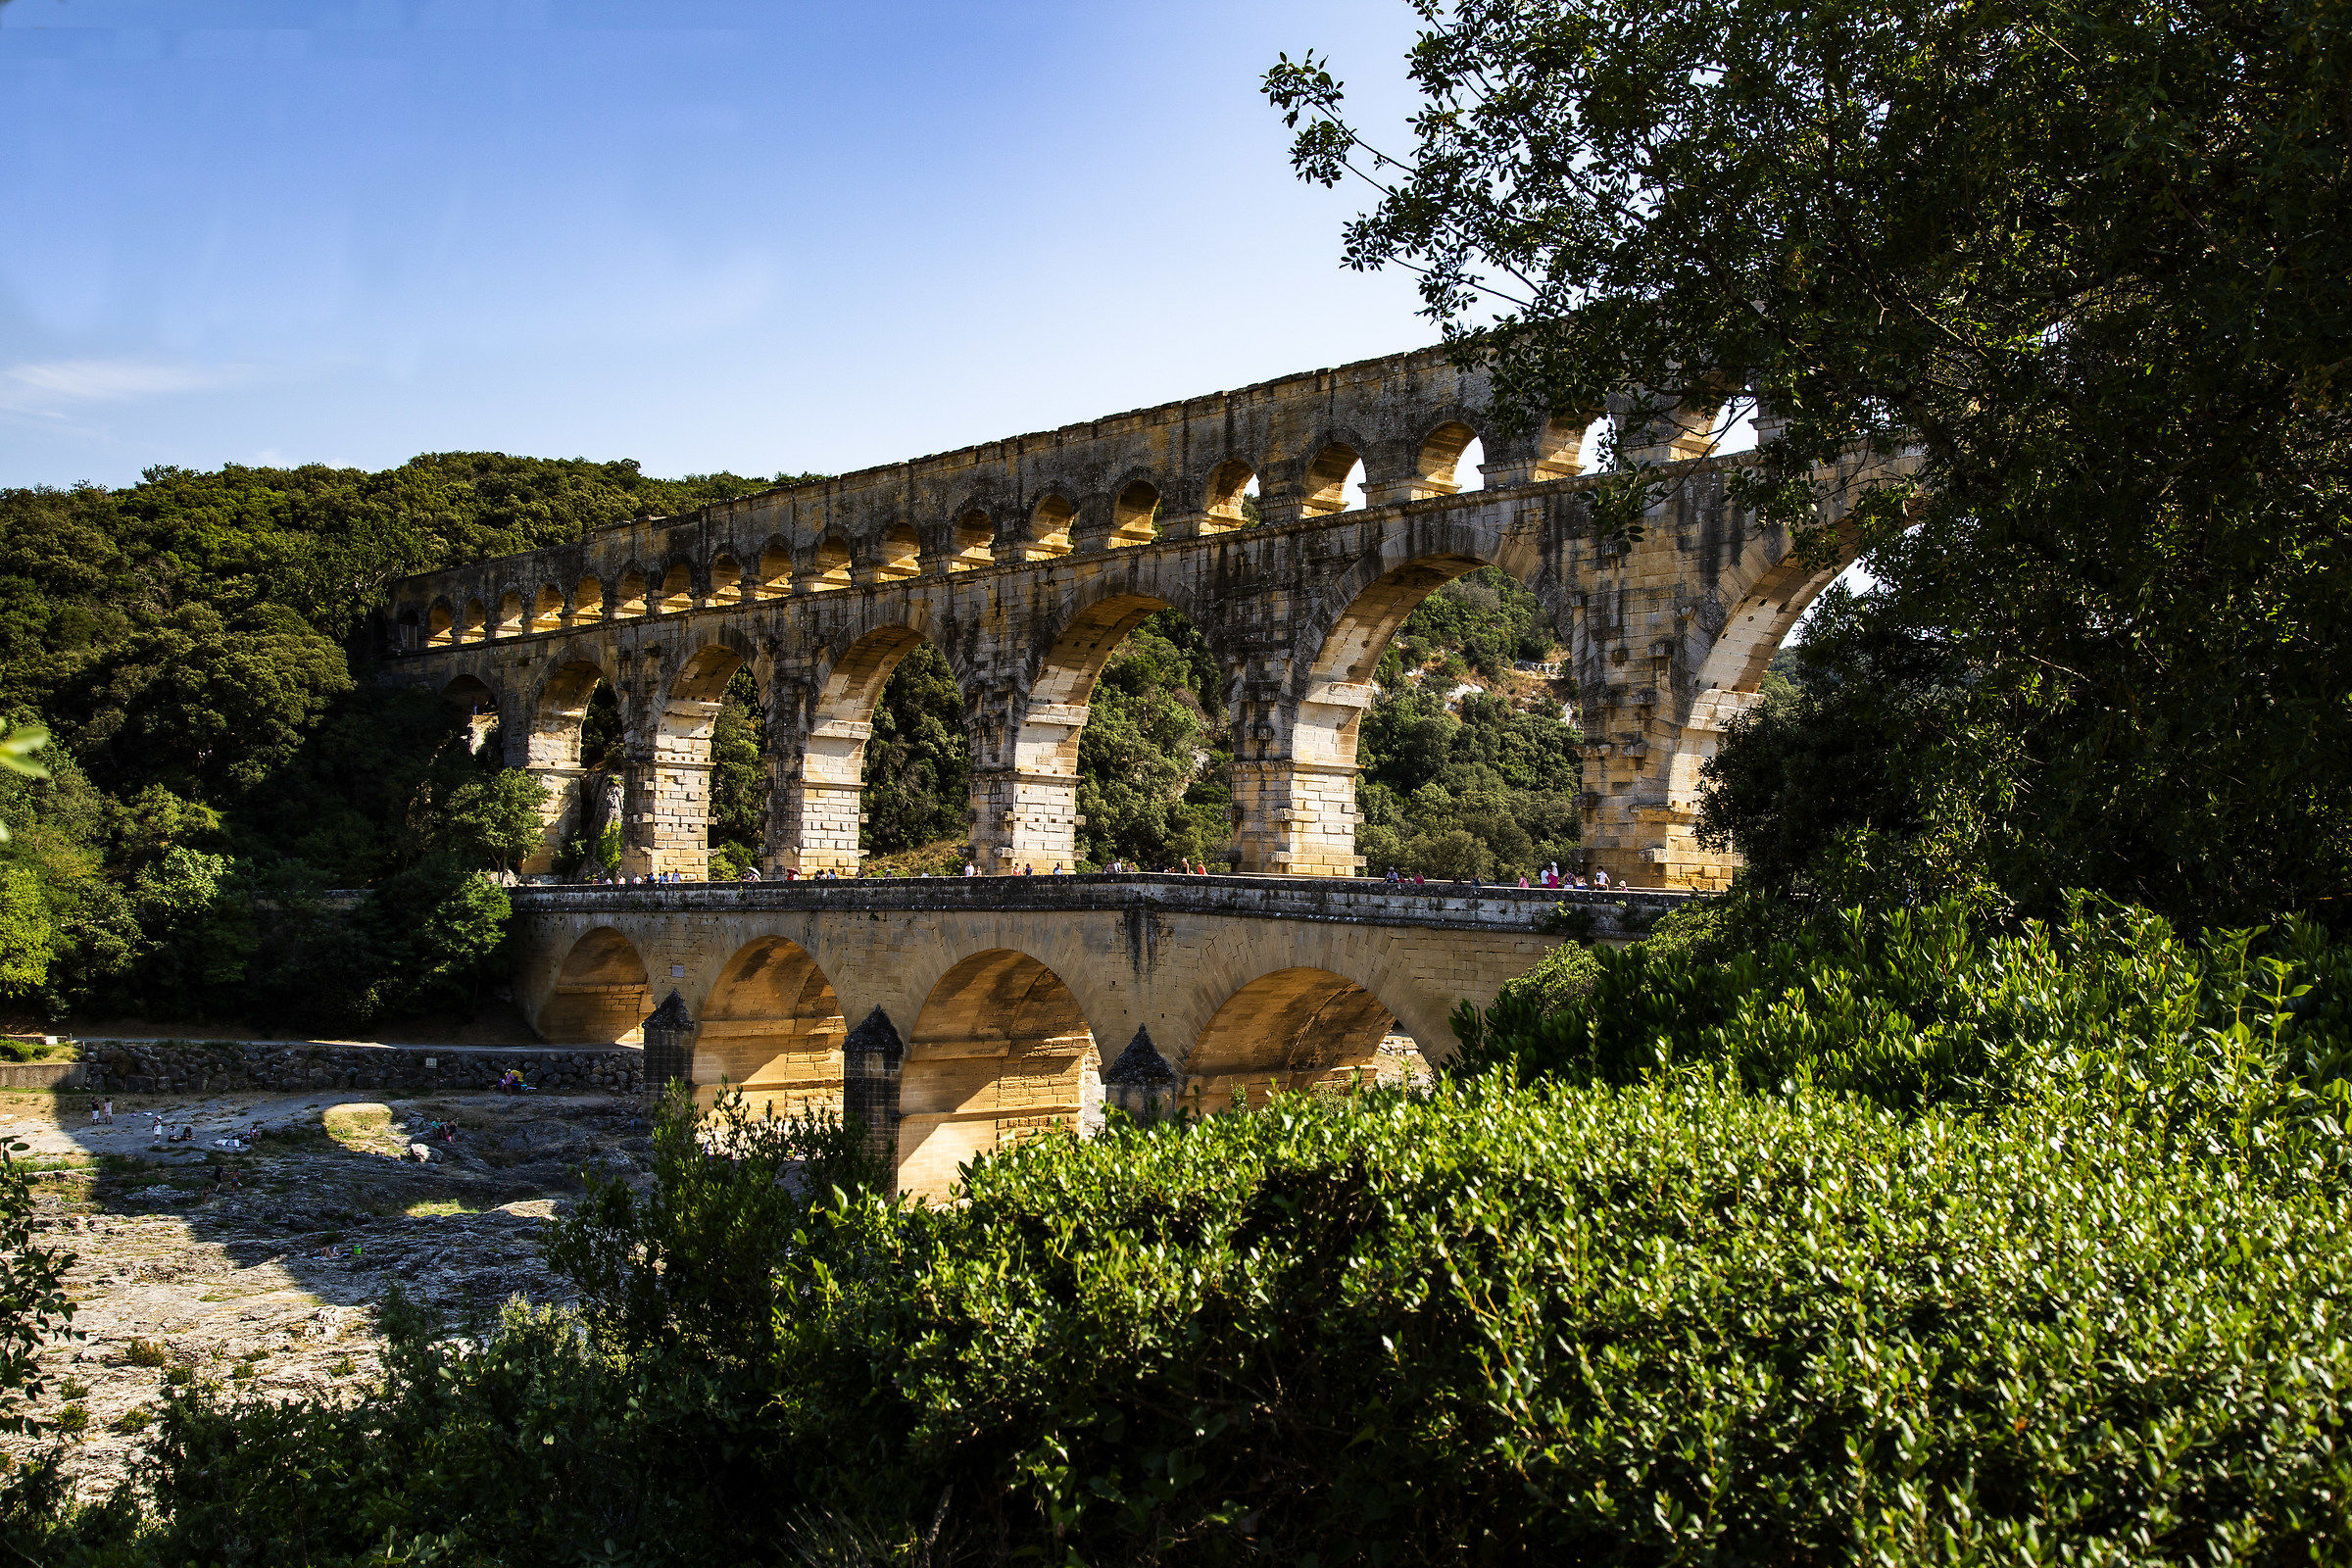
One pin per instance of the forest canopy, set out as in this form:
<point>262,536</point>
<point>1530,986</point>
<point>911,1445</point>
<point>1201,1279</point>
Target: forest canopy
<point>219,758</point>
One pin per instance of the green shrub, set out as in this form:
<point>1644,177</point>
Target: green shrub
<point>1566,972</point>
<point>1938,1007</point>
<point>147,1353</point>
<point>134,1420</point>
<point>1673,1321</point>
<point>1919,1241</point>
<point>72,1421</point>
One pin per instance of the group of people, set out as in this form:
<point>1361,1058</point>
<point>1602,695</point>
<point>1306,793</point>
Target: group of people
<point>751,873</point>
<point>1552,876</point>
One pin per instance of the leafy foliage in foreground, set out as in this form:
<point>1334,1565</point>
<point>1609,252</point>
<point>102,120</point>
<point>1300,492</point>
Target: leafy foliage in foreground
<point>2069,1289</point>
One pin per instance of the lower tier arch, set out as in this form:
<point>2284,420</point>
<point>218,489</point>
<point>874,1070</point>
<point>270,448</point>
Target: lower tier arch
<point>772,1028</point>
<point>1001,1052</point>
<point>1292,1030</point>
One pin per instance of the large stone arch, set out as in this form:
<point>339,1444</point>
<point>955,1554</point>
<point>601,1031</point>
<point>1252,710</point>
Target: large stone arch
<point>1000,1052</point>
<point>1031,816</point>
<point>772,1027</point>
<point>1642,776</point>
<point>675,815</point>
<point>814,823</point>
<point>1298,794</point>
<point>551,746</point>
<point>1289,1030</point>
<point>601,993</point>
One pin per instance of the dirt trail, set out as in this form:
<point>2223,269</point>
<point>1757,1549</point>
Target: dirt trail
<point>258,1269</point>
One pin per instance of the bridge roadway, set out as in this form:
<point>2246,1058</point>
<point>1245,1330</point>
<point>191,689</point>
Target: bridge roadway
<point>961,1014</point>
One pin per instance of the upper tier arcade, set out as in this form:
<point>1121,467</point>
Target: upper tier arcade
<point>1026,561</point>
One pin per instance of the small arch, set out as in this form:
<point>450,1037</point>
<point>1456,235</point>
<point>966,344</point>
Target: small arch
<point>1438,464</point>
<point>1563,445</point>
<point>774,580</point>
<point>509,614</point>
<point>1329,478</point>
<point>774,1028</point>
<point>1292,1030</point>
<point>1134,515</point>
<point>630,599</point>
<point>407,631</point>
<point>975,542</point>
<point>677,589</point>
<point>475,626</point>
<point>1050,525</point>
<point>547,610</point>
<point>588,601</point>
<point>1000,1053</point>
<point>900,556</point>
<point>600,995</point>
<point>726,581</point>
<point>441,625</point>
<point>830,570</point>
<point>1228,483</point>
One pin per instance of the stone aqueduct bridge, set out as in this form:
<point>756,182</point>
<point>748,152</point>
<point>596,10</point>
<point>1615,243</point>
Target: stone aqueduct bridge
<point>1026,561</point>
<point>957,1015</point>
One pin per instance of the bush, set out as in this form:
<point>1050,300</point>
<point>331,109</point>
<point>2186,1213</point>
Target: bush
<point>34,1308</point>
<point>1915,1241</point>
<point>1937,1007</point>
<point>146,1352</point>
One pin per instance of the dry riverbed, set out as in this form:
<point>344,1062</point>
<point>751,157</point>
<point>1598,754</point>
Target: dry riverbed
<point>259,1271</point>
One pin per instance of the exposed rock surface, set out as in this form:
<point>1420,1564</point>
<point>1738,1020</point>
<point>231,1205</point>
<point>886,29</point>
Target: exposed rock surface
<point>259,1269</point>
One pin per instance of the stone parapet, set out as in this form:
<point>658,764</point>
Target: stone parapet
<point>1616,916</point>
<point>221,1066</point>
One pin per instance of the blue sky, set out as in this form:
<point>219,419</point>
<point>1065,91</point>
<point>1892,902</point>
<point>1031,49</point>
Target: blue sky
<point>704,234</point>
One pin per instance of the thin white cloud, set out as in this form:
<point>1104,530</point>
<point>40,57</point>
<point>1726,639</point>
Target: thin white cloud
<point>52,386</point>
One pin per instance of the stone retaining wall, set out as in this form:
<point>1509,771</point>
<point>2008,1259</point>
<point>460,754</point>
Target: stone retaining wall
<point>41,1074</point>
<point>217,1066</point>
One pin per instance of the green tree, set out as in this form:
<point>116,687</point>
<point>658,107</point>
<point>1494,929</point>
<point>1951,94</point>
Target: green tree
<point>2081,263</point>
<point>739,784</point>
<point>918,766</point>
<point>439,933</point>
<point>210,706</point>
<point>497,821</point>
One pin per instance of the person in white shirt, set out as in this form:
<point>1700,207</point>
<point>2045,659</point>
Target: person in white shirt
<point>969,869</point>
